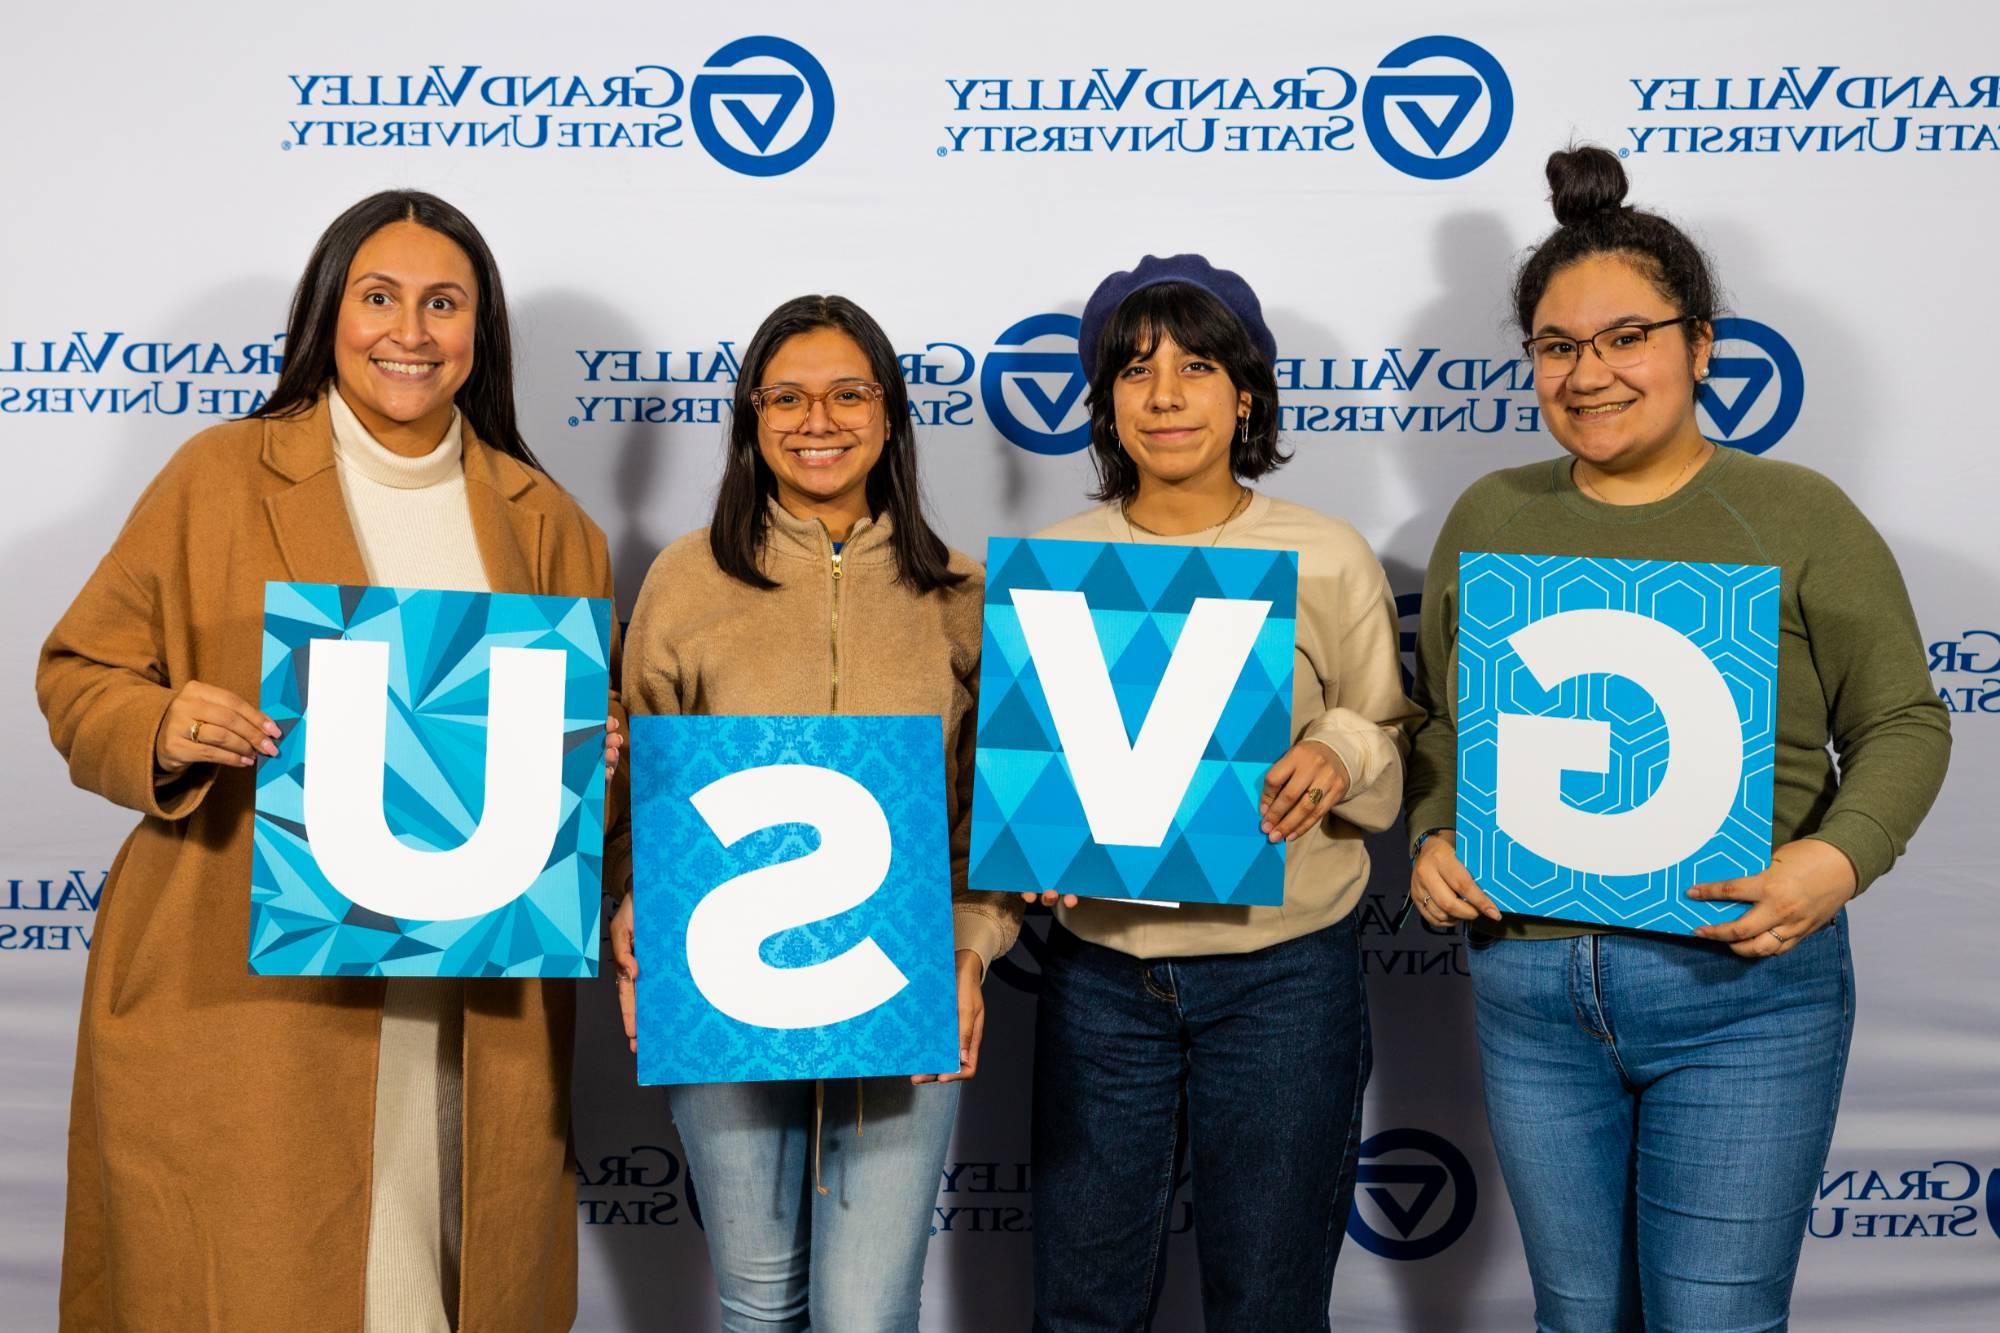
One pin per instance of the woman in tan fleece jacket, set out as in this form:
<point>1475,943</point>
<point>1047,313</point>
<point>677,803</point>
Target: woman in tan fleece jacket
<point>820,588</point>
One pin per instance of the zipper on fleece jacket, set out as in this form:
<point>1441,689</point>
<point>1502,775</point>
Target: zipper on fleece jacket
<point>833,639</point>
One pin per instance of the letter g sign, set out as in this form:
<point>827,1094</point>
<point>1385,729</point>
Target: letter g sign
<point>1616,731</point>
<point>1704,746</point>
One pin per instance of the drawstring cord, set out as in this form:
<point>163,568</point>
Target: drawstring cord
<point>819,1123</point>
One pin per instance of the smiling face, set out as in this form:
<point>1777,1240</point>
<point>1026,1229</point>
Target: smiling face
<point>822,468</point>
<point>403,342</point>
<point>1619,420</point>
<point>1176,414</point>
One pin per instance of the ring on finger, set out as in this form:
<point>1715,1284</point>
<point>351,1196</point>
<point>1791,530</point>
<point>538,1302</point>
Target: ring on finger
<point>1316,795</point>
<point>1773,933</point>
<point>194,732</point>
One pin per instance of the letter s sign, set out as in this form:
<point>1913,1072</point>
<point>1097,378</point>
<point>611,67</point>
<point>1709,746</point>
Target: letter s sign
<point>727,929</point>
<point>792,898</point>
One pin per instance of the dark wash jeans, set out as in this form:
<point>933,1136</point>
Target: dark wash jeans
<point>1252,1063</point>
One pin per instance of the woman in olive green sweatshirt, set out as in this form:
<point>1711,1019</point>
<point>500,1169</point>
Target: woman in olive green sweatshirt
<point>821,588</point>
<point>1662,1106</point>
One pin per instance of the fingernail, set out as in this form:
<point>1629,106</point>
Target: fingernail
<point>270,749</point>
<point>244,760</point>
<point>1266,826</point>
<point>271,729</point>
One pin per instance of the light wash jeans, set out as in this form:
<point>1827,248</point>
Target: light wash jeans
<point>787,1257</point>
<point>1662,1111</point>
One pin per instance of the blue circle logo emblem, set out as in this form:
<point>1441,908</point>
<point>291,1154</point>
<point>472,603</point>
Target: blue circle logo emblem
<point>1045,382</point>
<point>1993,1200</point>
<point>1435,104</point>
<point>1420,1186</point>
<point>1754,388</point>
<point>777,93</point>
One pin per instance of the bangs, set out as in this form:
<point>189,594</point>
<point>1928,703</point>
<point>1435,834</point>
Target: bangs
<point>1193,319</point>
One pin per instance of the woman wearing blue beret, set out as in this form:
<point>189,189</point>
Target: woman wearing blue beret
<point>1234,1036</point>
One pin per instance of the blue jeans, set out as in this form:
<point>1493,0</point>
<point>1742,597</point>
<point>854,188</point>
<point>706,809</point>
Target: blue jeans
<point>788,1257</point>
<point>1662,1110</point>
<point>1252,1063</point>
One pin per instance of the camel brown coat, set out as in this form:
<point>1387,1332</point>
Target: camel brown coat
<point>221,1124</point>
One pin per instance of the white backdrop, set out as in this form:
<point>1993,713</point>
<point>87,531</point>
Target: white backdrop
<point>958,174</point>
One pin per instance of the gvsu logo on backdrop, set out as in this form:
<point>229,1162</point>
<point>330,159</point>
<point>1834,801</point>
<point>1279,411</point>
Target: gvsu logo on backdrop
<point>1939,1200</point>
<point>1034,387</point>
<point>1415,1194</point>
<point>1616,724</point>
<point>1435,108</point>
<point>110,373</point>
<point>1965,668</point>
<point>50,915</point>
<point>761,106</point>
<point>1755,386</point>
<point>780,136</point>
<point>1436,104</point>
<point>1815,109</point>
<point>646,1185</point>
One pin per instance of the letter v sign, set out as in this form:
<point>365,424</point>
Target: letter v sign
<point>1130,791</point>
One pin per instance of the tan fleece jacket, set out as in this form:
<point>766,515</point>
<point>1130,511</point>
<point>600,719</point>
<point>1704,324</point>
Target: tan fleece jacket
<point>834,637</point>
<point>1347,691</point>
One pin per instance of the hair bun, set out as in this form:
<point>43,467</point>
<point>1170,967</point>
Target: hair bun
<point>1584,183</point>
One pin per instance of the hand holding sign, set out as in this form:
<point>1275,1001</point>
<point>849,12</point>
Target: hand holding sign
<point>1809,881</point>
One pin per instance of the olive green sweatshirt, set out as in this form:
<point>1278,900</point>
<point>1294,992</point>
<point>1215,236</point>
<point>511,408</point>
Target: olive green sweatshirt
<point>1851,664</point>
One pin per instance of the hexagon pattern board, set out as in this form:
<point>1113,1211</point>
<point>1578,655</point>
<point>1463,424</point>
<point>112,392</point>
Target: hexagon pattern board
<point>457,744</point>
<point>1131,698</point>
<point>792,881</point>
<point>1616,729</point>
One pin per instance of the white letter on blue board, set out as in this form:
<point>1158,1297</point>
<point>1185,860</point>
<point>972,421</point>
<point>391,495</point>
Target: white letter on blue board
<point>728,927</point>
<point>1704,746</point>
<point>346,737</point>
<point>1130,790</point>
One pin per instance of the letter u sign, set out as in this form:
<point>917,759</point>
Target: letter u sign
<point>794,898</point>
<point>1617,721</point>
<point>436,806</point>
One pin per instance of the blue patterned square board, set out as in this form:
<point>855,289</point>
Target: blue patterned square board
<point>1617,722</point>
<point>436,806</point>
<point>793,898</point>
<point>1131,698</point>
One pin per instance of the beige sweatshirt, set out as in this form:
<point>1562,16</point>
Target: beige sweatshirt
<point>836,636</point>
<point>1347,692</point>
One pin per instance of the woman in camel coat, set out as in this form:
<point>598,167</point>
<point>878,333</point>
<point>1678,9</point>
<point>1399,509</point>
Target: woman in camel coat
<point>221,1141</point>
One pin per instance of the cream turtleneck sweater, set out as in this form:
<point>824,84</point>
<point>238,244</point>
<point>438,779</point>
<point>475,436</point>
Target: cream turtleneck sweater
<point>415,531</point>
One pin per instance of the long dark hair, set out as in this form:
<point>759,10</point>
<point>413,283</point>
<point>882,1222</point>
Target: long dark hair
<point>487,396</point>
<point>1203,325</point>
<point>742,502</point>
<point>1587,187</point>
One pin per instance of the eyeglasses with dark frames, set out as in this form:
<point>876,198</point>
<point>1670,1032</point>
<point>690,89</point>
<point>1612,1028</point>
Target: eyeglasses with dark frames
<point>1619,347</point>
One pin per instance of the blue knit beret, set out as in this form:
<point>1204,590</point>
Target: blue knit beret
<point>1226,287</point>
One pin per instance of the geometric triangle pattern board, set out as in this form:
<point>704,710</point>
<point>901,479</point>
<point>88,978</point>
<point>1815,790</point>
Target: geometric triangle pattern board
<point>439,649</point>
<point>792,898</point>
<point>1606,685</point>
<point>1029,829</point>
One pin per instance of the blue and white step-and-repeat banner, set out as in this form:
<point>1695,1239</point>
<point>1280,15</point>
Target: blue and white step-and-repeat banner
<point>655,179</point>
